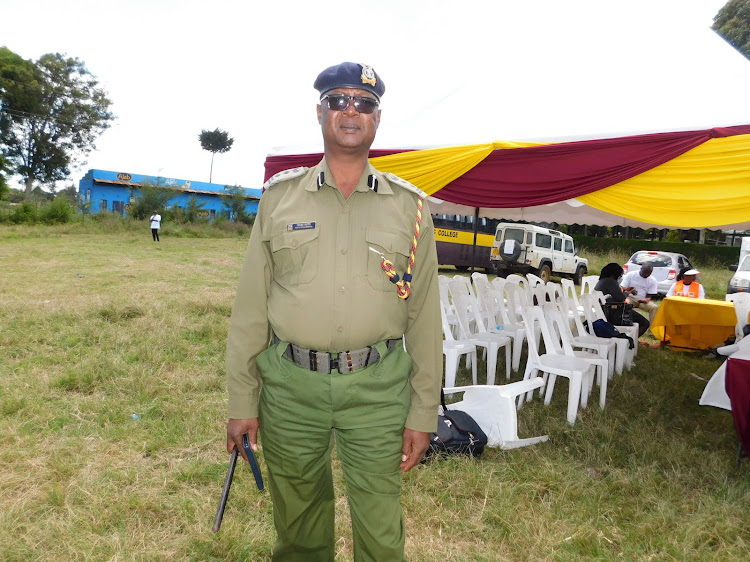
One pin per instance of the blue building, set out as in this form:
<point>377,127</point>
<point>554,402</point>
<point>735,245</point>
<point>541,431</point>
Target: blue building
<point>114,192</point>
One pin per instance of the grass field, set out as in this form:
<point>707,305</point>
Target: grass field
<point>112,430</point>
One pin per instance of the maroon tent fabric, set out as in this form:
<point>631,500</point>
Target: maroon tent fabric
<point>525,177</point>
<point>737,384</point>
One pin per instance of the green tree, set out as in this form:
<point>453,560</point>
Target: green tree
<point>733,24</point>
<point>69,193</point>
<point>152,196</point>
<point>52,112</point>
<point>234,201</point>
<point>193,209</point>
<point>216,141</point>
<point>4,187</point>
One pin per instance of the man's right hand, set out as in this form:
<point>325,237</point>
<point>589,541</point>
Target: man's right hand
<point>236,428</point>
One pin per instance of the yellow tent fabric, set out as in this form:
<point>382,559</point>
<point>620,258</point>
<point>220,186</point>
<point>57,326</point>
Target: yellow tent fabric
<point>434,168</point>
<point>706,186</point>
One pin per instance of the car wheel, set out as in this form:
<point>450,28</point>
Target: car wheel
<point>545,273</point>
<point>580,272</point>
<point>513,254</point>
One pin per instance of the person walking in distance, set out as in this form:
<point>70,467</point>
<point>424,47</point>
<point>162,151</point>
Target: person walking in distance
<point>155,225</point>
<point>335,336</point>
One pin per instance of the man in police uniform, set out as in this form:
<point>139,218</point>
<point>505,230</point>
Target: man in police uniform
<point>319,319</point>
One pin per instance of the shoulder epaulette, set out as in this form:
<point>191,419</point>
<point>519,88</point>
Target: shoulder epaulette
<point>285,175</point>
<point>393,178</point>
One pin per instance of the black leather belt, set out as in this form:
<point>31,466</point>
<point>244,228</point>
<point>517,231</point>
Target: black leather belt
<point>326,362</point>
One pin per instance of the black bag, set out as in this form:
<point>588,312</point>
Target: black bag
<point>457,434</point>
<point>604,329</point>
<point>618,313</point>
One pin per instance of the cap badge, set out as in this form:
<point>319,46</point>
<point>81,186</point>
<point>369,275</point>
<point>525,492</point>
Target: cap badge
<point>368,75</point>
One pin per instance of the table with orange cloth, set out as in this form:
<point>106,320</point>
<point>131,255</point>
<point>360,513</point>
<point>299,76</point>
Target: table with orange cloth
<point>694,323</point>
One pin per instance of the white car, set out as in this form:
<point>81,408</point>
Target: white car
<point>527,248</point>
<point>666,266</point>
<point>740,281</point>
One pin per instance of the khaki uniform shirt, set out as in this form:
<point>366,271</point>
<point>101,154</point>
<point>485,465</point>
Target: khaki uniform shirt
<point>310,278</point>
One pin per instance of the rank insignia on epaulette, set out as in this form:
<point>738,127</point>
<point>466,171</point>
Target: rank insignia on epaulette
<point>285,175</point>
<point>393,178</point>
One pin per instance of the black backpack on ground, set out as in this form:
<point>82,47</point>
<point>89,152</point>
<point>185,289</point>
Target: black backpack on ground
<point>457,434</point>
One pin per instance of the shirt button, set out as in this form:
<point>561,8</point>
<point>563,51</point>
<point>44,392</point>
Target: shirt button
<point>343,250</point>
<point>342,289</point>
<point>340,329</point>
<point>294,243</point>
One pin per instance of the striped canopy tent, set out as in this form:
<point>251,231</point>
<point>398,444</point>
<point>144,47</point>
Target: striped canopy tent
<point>688,179</point>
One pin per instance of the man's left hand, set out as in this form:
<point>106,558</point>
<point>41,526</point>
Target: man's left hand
<point>414,447</point>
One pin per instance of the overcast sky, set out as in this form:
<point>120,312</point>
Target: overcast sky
<point>455,72</point>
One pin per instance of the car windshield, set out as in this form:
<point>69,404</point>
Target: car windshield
<point>745,265</point>
<point>654,258</point>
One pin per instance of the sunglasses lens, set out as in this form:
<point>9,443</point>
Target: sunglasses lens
<point>339,102</point>
<point>365,105</point>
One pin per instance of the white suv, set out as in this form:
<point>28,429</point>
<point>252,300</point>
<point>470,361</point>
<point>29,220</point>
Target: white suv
<point>526,248</point>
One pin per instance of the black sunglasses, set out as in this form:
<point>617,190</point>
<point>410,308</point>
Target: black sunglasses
<point>339,102</point>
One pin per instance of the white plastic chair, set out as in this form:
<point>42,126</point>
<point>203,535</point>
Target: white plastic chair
<point>445,300</point>
<point>516,299</point>
<point>570,295</point>
<point>466,310</point>
<point>522,283</point>
<point>741,310</point>
<point>534,280</point>
<point>461,285</point>
<point>466,283</point>
<point>482,290</point>
<point>586,340</point>
<point>554,291</point>
<point>741,303</point>
<point>631,331</point>
<point>593,311</point>
<point>560,328</point>
<point>514,330</point>
<point>494,409</point>
<point>553,364</point>
<point>588,282</point>
<point>540,295</point>
<point>453,350</point>
<point>498,283</point>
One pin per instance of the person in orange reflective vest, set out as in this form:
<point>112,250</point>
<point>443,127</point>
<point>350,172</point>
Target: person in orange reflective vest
<point>688,286</point>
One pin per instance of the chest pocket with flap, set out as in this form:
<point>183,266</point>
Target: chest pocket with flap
<point>396,247</point>
<point>295,256</point>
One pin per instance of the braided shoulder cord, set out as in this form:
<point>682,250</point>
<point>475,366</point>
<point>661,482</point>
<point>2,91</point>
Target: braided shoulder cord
<point>403,285</point>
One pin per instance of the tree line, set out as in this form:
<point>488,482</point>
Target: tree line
<point>52,110</point>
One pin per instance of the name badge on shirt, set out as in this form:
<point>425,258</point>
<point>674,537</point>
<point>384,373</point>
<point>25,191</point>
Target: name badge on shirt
<point>300,226</point>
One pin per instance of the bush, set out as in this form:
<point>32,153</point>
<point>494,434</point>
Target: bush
<point>26,213</point>
<point>700,254</point>
<point>57,212</point>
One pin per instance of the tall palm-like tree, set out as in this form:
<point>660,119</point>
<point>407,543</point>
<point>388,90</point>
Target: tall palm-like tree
<point>216,141</point>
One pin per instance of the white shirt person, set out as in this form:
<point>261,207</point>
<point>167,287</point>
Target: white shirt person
<point>155,226</point>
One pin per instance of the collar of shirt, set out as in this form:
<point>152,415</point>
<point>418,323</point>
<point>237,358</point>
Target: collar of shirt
<point>384,187</point>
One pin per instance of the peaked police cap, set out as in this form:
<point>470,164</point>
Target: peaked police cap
<point>350,75</point>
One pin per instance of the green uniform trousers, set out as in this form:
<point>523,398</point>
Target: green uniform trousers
<point>301,414</point>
